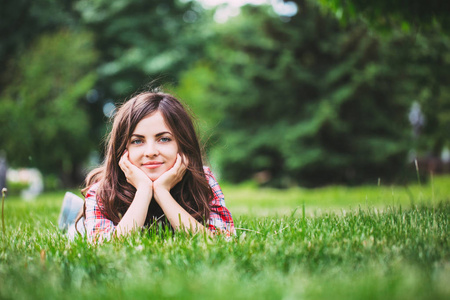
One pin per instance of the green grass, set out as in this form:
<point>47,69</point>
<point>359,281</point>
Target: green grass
<point>247,199</point>
<point>330,243</point>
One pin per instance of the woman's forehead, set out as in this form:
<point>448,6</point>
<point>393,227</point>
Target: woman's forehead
<point>152,123</point>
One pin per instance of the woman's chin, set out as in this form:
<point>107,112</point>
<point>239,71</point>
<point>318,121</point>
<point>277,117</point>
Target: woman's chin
<point>154,177</point>
<point>154,174</point>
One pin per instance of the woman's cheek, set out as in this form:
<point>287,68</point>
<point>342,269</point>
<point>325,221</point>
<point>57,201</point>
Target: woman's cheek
<point>133,156</point>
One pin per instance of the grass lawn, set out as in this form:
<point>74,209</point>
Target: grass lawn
<point>248,200</point>
<point>372,242</point>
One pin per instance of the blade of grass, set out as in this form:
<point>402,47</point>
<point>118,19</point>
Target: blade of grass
<point>4,192</point>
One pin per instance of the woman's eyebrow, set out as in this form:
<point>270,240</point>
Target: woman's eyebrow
<point>163,133</point>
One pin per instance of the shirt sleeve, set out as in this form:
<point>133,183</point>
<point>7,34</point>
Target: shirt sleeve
<point>98,226</point>
<point>220,219</point>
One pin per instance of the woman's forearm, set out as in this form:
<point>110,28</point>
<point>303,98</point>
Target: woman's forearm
<point>178,217</point>
<point>136,213</point>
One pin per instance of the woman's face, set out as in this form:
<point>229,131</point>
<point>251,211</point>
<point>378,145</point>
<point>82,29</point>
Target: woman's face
<point>152,146</point>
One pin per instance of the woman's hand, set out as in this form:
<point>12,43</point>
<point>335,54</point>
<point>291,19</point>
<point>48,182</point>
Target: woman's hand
<point>135,216</point>
<point>169,179</point>
<point>135,176</point>
<point>178,217</point>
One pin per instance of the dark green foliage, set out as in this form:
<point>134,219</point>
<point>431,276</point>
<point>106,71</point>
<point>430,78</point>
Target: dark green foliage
<point>308,101</point>
<point>420,57</point>
<point>141,41</point>
<point>384,15</point>
<point>43,119</point>
<point>46,121</point>
<point>421,65</point>
<point>22,21</point>
<point>47,65</point>
<point>303,100</point>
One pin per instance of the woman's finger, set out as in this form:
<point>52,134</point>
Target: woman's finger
<point>184,166</point>
<point>185,160</point>
<point>181,167</point>
<point>121,164</point>
<point>176,165</point>
<point>124,163</point>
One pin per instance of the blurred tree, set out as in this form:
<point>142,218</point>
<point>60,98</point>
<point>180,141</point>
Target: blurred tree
<point>140,41</point>
<point>304,101</point>
<point>424,59</point>
<point>414,15</point>
<point>21,21</point>
<point>43,119</point>
<point>421,63</point>
<point>193,90</point>
<point>137,41</point>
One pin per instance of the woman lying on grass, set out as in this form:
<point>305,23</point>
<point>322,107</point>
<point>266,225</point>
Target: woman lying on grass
<point>153,171</point>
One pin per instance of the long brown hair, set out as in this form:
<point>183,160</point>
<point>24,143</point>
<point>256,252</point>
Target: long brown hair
<point>193,192</point>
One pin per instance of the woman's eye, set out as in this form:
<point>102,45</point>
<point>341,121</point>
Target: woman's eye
<point>136,142</point>
<point>165,139</point>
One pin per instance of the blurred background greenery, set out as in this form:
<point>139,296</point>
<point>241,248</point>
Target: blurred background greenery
<point>286,93</point>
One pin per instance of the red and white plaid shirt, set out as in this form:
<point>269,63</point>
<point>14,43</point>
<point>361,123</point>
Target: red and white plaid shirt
<point>98,226</point>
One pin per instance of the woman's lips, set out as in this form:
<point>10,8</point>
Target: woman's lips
<point>152,164</point>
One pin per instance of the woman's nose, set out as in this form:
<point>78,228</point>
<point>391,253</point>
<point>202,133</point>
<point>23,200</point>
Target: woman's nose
<point>151,149</point>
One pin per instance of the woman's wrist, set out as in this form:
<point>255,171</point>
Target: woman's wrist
<point>160,192</point>
<point>145,189</point>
